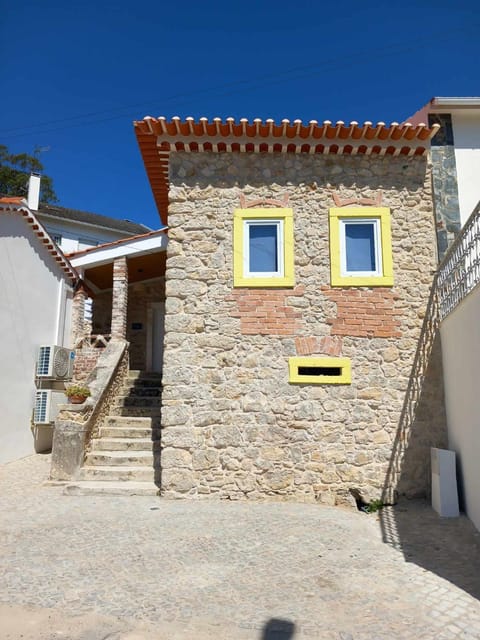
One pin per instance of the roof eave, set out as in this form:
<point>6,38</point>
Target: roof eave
<point>153,242</point>
<point>455,102</point>
<point>19,205</point>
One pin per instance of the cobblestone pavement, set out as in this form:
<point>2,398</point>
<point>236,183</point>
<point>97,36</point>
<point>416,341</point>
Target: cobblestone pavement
<point>202,569</point>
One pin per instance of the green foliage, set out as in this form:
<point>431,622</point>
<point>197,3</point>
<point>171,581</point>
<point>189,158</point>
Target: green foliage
<point>373,506</point>
<point>15,169</point>
<point>77,390</point>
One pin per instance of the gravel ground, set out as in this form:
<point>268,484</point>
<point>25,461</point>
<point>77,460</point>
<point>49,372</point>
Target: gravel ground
<point>139,568</point>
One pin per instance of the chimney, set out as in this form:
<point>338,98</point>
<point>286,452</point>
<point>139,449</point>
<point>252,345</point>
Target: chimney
<point>34,191</point>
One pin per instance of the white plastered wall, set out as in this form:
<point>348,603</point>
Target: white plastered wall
<point>31,284</point>
<point>460,334</point>
<point>466,133</point>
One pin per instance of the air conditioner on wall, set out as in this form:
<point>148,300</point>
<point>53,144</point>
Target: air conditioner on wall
<point>46,405</point>
<point>55,362</point>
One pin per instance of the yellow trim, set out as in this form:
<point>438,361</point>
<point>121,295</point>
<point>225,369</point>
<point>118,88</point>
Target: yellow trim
<point>240,215</point>
<point>379,213</point>
<point>345,376</point>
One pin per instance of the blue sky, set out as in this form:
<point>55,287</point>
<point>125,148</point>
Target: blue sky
<point>76,74</point>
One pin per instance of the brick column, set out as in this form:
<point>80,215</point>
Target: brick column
<point>120,299</point>
<point>78,314</point>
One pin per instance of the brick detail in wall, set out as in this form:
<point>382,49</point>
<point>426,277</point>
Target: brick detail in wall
<point>321,345</point>
<point>85,361</point>
<point>364,313</point>
<point>266,311</point>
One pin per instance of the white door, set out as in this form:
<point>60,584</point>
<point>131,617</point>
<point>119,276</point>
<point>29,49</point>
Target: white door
<point>156,326</point>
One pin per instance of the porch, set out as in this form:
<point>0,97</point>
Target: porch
<point>121,297</point>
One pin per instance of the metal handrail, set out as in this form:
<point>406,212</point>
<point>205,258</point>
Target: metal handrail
<point>459,271</point>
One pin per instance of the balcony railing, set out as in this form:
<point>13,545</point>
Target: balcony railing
<point>459,271</point>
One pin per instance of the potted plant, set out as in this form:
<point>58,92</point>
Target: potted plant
<point>77,393</point>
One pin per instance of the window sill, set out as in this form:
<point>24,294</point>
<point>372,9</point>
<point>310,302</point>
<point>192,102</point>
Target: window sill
<point>364,281</point>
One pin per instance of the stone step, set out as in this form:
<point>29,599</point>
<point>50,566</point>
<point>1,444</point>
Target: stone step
<point>144,383</point>
<point>111,488</point>
<point>119,458</point>
<point>138,412</point>
<point>142,392</point>
<point>124,444</point>
<point>117,474</point>
<point>137,374</point>
<point>130,433</point>
<point>133,401</point>
<point>133,422</point>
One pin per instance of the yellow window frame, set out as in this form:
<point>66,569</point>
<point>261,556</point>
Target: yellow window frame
<point>343,364</point>
<point>382,214</point>
<point>243,215</point>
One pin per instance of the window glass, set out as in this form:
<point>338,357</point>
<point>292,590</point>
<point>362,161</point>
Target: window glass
<point>360,247</point>
<point>263,248</point>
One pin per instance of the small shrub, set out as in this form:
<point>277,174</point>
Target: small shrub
<point>373,506</point>
<point>77,390</point>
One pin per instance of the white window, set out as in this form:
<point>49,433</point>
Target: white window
<point>360,247</point>
<point>263,248</point>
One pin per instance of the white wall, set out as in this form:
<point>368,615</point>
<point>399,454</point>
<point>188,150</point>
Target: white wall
<point>466,133</point>
<point>460,334</point>
<point>30,286</point>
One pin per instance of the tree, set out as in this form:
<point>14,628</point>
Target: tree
<point>15,169</point>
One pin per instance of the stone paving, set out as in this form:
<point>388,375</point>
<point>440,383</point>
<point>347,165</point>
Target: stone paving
<point>236,570</point>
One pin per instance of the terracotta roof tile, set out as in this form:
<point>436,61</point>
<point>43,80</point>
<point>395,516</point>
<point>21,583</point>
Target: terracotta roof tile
<point>158,136</point>
<point>13,200</point>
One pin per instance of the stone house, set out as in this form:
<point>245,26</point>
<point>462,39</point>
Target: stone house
<point>301,357</point>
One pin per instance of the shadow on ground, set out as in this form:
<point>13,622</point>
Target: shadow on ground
<point>278,629</point>
<point>448,547</point>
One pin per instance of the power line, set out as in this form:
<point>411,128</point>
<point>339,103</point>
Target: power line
<point>264,80</point>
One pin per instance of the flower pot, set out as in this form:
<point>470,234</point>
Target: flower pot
<point>76,399</point>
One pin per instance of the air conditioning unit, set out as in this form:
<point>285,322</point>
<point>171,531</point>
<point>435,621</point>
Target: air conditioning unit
<point>55,362</point>
<point>46,405</point>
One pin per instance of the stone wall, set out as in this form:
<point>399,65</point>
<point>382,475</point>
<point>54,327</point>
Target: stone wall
<point>232,424</point>
<point>445,185</point>
<point>140,296</point>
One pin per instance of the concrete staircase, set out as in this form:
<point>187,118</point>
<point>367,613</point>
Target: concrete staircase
<point>125,457</point>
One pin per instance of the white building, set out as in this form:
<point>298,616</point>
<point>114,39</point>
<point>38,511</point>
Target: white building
<point>75,230</point>
<point>455,155</point>
<point>36,287</point>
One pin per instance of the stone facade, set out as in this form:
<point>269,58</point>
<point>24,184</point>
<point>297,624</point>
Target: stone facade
<point>232,424</point>
<point>140,297</point>
<point>445,186</point>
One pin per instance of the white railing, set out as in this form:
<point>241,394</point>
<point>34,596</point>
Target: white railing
<point>459,271</point>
